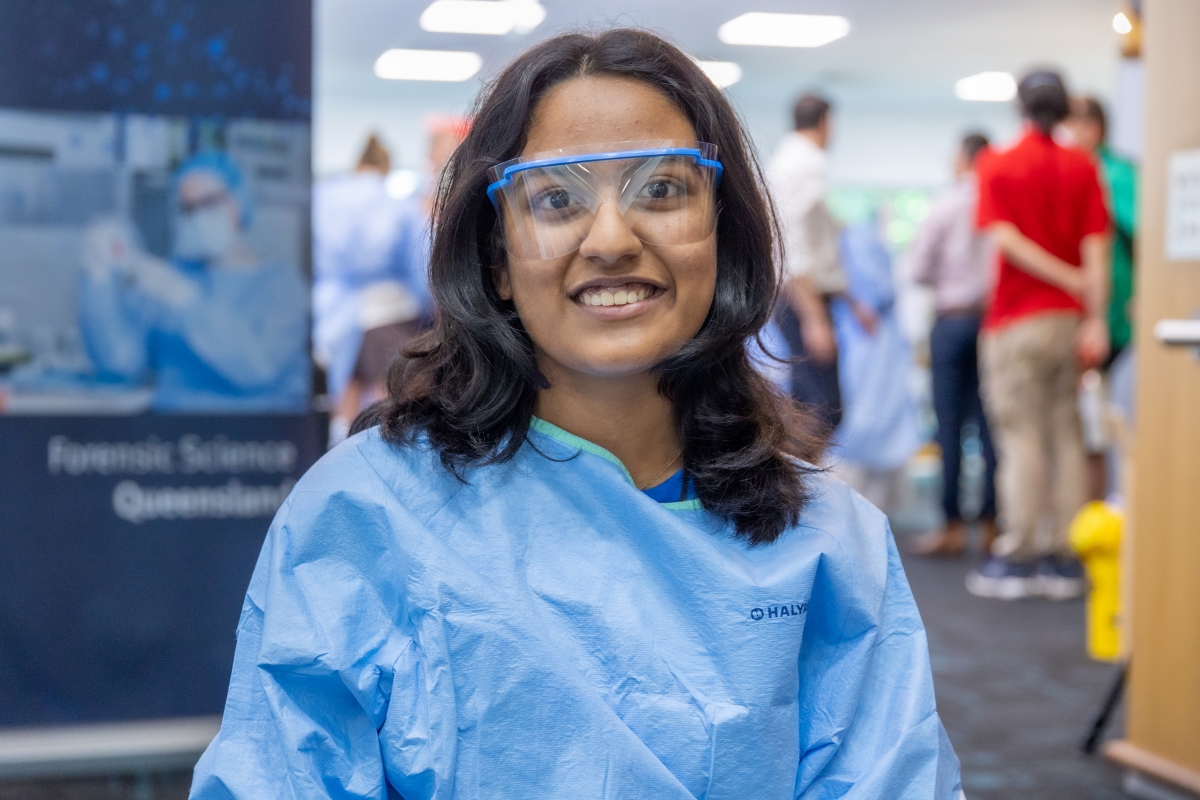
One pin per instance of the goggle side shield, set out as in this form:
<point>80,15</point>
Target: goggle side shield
<point>665,192</point>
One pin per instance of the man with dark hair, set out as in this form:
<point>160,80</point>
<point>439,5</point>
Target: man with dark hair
<point>813,274</point>
<point>952,257</point>
<point>1048,318</point>
<point>810,112</point>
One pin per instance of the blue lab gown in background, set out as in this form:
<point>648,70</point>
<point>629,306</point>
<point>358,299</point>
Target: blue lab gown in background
<point>239,345</point>
<point>547,630</point>
<point>768,352</point>
<point>360,236</point>
<point>879,428</point>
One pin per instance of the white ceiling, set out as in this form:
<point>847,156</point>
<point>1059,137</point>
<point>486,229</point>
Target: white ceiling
<point>892,77</point>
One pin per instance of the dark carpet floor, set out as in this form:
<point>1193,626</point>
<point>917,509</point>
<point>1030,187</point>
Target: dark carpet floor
<point>1015,689</point>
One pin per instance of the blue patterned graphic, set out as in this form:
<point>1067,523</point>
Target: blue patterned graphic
<point>234,58</point>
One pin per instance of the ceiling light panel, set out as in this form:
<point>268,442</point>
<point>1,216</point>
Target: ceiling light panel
<point>722,73</point>
<point>486,17</point>
<point>783,30</point>
<point>428,65</point>
<point>987,87</point>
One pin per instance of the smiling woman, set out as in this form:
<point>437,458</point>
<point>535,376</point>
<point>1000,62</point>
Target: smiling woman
<point>542,226</point>
<point>578,552</point>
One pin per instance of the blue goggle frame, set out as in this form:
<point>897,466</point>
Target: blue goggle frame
<point>583,158</point>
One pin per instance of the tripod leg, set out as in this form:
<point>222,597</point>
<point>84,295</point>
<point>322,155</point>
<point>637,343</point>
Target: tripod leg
<point>1106,711</point>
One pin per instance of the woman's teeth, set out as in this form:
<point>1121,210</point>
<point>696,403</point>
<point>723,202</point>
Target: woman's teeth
<point>615,296</point>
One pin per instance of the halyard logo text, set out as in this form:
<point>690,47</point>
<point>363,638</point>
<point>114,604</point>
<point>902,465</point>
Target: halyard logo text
<point>775,612</point>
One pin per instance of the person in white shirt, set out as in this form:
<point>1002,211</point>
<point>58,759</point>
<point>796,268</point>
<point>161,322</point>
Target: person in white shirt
<point>813,275</point>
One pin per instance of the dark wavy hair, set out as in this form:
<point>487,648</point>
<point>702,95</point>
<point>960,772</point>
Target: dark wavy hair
<point>470,385</point>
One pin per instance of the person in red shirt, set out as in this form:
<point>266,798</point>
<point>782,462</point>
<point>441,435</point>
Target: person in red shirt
<point>1046,321</point>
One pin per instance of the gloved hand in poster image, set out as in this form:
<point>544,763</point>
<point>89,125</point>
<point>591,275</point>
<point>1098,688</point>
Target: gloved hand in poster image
<point>111,251</point>
<point>215,328</point>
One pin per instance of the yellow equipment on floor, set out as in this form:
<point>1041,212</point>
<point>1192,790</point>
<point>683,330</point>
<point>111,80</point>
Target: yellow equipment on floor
<point>1096,537</point>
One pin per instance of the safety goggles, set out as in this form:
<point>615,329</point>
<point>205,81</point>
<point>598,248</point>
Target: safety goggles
<point>664,191</point>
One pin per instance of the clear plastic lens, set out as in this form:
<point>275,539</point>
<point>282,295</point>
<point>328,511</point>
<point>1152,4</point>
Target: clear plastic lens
<point>549,210</point>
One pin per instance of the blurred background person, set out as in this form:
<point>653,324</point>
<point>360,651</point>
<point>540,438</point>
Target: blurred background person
<point>446,132</point>
<point>1088,125</point>
<point>798,175</point>
<point>879,432</point>
<point>197,323</point>
<point>369,287</point>
<point>953,258</point>
<point>1088,129</point>
<point>1048,318</point>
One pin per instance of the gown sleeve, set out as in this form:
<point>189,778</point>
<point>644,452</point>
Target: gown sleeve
<point>317,654</point>
<point>869,723</point>
<point>115,325</point>
<point>292,726</point>
<point>410,257</point>
<point>249,341</point>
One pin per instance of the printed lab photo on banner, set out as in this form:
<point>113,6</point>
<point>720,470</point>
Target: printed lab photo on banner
<point>153,262</point>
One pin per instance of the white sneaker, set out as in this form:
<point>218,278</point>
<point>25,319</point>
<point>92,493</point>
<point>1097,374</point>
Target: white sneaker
<point>1059,578</point>
<point>1001,579</point>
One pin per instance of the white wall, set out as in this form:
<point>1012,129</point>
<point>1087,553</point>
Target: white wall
<point>892,78</point>
<point>872,146</point>
<point>891,147</point>
<point>348,107</point>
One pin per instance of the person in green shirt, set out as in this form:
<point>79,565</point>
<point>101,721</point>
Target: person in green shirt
<point>1089,126</point>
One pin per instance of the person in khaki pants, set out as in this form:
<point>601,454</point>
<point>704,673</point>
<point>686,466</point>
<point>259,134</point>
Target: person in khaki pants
<point>1046,322</point>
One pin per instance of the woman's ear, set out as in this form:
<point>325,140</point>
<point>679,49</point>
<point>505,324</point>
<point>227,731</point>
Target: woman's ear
<point>503,282</point>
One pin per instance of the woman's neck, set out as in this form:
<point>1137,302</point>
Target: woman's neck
<point>626,416</point>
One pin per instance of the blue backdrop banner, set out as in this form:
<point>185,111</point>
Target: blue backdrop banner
<point>126,545</point>
<point>155,377</point>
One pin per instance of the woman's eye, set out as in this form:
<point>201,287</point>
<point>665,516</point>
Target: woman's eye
<point>555,200</point>
<point>660,189</point>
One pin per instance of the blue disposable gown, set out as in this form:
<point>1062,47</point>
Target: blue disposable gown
<point>546,630</point>
<point>239,344</point>
<point>879,428</point>
<point>360,236</point>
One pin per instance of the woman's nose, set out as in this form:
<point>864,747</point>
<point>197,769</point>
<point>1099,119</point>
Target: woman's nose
<point>610,239</point>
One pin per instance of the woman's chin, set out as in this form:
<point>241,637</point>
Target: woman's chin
<point>616,365</point>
